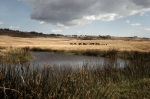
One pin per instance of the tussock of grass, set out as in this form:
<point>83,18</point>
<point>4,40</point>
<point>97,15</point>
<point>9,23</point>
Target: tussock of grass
<point>40,49</point>
<point>14,55</point>
<point>2,47</point>
<point>91,52</point>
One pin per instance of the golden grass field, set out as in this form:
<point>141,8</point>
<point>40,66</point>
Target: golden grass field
<point>64,43</point>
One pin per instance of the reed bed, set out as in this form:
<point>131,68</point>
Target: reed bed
<point>101,82</point>
<point>111,53</point>
<point>109,81</point>
<point>14,55</point>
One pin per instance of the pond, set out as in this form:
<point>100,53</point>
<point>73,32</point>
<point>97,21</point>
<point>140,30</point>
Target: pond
<point>63,60</point>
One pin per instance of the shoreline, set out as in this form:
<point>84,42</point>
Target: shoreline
<point>111,53</point>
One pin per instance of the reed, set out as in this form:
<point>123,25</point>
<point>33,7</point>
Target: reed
<point>101,82</point>
<point>14,55</point>
<point>108,81</point>
<point>94,52</point>
<point>111,53</point>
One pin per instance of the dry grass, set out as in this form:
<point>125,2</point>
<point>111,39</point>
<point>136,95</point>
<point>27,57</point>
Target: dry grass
<point>13,55</point>
<point>64,43</point>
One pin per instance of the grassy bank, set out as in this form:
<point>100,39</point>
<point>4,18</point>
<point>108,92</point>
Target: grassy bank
<point>111,53</point>
<point>14,55</point>
<point>22,53</point>
<point>102,82</point>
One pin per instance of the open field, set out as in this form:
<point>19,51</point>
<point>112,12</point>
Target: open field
<point>64,43</point>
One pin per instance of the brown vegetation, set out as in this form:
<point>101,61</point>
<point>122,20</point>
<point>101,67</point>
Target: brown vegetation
<point>65,43</point>
<point>33,39</point>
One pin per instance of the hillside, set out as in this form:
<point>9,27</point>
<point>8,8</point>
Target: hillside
<point>17,33</point>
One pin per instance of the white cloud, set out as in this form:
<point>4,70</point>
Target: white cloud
<point>135,24</point>
<point>143,13</point>
<point>107,17</point>
<point>127,21</point>
<point>42,22</point>
<point>56,31</point>
<point>14,27</point>
<point>62,26</point>
<point>81,22</point>
<point>92,17</point>
<point>146,29</point>
<point>80,12</point>
<point>1,23</point>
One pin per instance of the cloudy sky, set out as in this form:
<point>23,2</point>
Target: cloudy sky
<point>78,17</point>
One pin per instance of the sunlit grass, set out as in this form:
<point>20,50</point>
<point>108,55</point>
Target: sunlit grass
<point>14,55</point>
<point>64,43</point>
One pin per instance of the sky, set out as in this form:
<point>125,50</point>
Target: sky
<point>123,18</point>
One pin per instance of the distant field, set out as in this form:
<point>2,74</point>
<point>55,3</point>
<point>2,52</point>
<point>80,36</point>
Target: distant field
<point>64,43</point>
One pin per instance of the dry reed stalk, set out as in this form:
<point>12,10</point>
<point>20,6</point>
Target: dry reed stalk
<point>14,90</point>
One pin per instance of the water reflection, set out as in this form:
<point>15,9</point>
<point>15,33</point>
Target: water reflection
<point>42,58</point>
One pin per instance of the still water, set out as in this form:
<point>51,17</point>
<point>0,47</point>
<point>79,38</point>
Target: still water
<point>53,59</point>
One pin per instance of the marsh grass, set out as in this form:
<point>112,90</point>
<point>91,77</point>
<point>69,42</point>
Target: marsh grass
<point>108,81</point>
<point>102,82</point>
<point>89,52</point>
<point>13,55</point>
<point>111,53</point>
